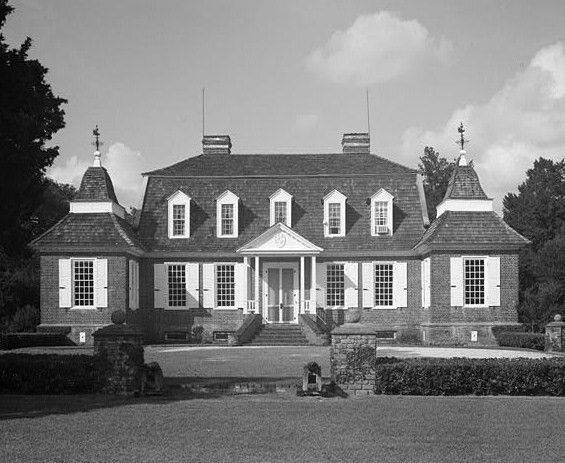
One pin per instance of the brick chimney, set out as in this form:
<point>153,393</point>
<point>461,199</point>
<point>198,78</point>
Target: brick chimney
<point>216,144</point>
<point>356,143</point>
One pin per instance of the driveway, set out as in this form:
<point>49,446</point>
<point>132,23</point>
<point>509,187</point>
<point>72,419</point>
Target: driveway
<point>288,361</point>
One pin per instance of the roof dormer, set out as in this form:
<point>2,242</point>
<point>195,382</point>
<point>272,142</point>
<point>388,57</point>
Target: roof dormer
<point>227,215</point>
<point>334,214</point>
<point>381,213</point>
<point>178,215</point>
<point>280,206</point>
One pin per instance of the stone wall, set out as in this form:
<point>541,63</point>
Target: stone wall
<point>352,356</point>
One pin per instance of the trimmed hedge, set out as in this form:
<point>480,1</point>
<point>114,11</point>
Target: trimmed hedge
<point>460,376</point>
<point>51,374</point>
<point>497,329</point>
<point>525,340</point>
<point>18,340</point>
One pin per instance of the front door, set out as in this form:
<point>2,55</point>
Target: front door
<point>280,283</point>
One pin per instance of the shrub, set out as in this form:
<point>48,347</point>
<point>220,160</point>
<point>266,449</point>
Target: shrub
<point>497,329</point>
<point>197,334</point>
<point>18,340</point>
<point>51,374</point>
<point>25,319</point>
<point>471,377</point>
<point>525,340</point>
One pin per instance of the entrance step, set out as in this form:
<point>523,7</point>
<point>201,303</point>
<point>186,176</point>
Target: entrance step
<point>280,335</point>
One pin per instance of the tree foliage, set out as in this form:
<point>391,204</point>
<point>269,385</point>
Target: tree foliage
<point>29,116</point>
<point>537,211</point>
<point>437,172</point>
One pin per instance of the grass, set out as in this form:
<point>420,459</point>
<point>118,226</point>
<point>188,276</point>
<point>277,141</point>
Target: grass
<point>285,428</point>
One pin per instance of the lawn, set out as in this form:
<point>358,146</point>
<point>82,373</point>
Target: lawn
<point>283,428</point>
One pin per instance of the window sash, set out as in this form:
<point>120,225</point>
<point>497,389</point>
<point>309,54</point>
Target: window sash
<point>384,287</point>
<point>474,281</point>
<point>227,219</point>
<point>334,218</point>
<point>280,211</point>
<point>178,219</point>
<point>335,285</point>
<point>380,214</point>
<point>176,278</point>
<point>83,283</point>
<point>225,285</point>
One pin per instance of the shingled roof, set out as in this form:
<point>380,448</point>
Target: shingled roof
<point>96,185</point>
<point>96,230</point>
<point>263,165</point>
<point>464,184</point>
<point>470,230</point>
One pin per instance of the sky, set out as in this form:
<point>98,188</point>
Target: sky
<point>291,77</point>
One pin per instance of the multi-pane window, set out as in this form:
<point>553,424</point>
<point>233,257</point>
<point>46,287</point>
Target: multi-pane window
<point>177,285</point>
<point>225,285</point>
<point>335,285</point>
<point>474,281</point>
<point>83,283</point>
<point>280,212</point>
<point>227,219</point>
<point>380,215</point>
<point>178,219</point>
<point>383,285</point>
<point>334,218</point>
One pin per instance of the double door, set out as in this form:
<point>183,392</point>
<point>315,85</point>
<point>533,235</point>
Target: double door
<point>280,293</point>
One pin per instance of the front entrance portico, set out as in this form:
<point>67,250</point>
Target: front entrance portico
<point>278,257</point>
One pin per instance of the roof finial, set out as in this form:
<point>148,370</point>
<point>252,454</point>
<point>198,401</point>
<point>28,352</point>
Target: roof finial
<point>462,141</point>
<point>97,143</point>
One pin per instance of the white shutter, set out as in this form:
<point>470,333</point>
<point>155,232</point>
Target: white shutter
<point>456,281</point>
<point>192,279</point>
<point>208,285</point>
<point>101,283</point>
<point>133,285</point>
<point>493,275</point>
<point>241,285</point>
<point>321,276</point>
<point>423,282</point>
<point>160,286</point>
<point>400,284</point>
<point>351,274</point>
<point>426,275</point>
<point>65,283</point>
<point>368,284</point>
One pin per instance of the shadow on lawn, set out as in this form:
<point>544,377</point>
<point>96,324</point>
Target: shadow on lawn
<point>13,406</point>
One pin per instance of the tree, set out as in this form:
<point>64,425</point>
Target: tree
<point>437,172</point>
<point>538,210</point>
<point>29,116</point>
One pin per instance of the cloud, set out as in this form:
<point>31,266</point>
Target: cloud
<point>524,120</point>
<point>124,165</point>
<point>306,121</point>
<point>376,48</point>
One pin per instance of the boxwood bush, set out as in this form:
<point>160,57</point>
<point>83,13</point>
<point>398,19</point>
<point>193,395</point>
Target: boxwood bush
<point>51,374</point>
<point>525,340</point>
<point>460,376</point>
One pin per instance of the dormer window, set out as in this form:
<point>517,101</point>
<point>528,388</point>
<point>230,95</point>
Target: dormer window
<point>334,214</point>
<point>381,213</point>
<point>227,214</point>
<point>281,207</point>
<point>179,215</point>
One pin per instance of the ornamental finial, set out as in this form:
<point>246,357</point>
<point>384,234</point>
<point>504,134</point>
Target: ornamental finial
<point>97,143</point>
<point>462,140</point>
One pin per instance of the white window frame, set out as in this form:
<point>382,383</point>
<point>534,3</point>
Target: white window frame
<point>374,282</point>
<point>385,197</point>
<point>281,196</point>
<point>326,264</point>
<point>94,286</point>
<point>227,197</point>
<point>334,197</point>
<point>168,265</point>
<point>224,307</point>
<point>179,199</point>
<point>485,280</point>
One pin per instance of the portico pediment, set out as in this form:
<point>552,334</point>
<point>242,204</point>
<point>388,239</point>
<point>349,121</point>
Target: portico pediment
<point>279,240</point>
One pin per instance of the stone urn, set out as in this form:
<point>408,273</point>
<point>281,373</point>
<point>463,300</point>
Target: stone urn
<point>353,315</point>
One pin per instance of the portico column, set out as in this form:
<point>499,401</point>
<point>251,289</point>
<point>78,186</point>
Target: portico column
<point>313,291</point>
<point>301,284</point>
<point>246,263</point>
<point>257,307</point>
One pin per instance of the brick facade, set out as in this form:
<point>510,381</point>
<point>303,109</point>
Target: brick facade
<point>81,320</point>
